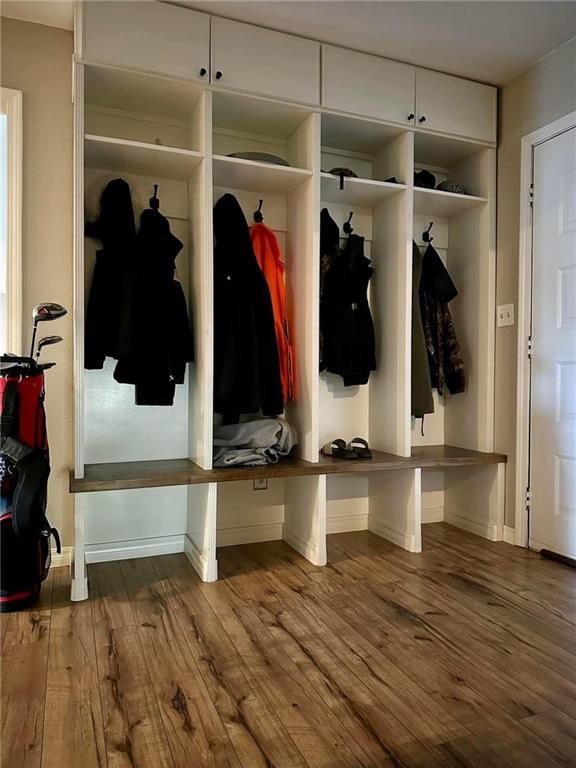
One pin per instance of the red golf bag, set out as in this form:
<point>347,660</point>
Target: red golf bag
<point>25,533</point>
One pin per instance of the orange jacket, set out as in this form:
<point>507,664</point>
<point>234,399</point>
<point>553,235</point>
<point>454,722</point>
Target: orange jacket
<point>267,252</point>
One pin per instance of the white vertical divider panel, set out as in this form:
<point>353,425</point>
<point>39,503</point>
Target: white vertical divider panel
<point>200,541</point>
<point>391,299</point>
<point>395,507</point>
<point>303,287</point>
<point>305,497</point>
<point>305,517</point>
<point>474,499</point>
<point>78,267</point>
<point>201,289</point>
<point>79,580</point>
<point>469,419</point>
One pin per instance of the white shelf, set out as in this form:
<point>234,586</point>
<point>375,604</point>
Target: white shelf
<point>434,202</point>
<point>138,93</point>
<point>109,154</point>
<point>235,173</point>
<point>361,192</point>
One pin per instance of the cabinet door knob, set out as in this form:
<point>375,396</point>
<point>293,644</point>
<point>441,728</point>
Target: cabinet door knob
<point>203,72</point>
<point>218,75</point>
<point>422,119</point>
<point>411,116</point>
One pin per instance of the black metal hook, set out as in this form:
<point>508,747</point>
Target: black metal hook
<point>426,235</point>
<point>154,201</point>
<point>258,216</point>
<point>347,228</point>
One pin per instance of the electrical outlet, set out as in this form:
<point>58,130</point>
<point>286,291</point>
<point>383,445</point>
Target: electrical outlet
<point>260,485</point>
<point>505,315</point>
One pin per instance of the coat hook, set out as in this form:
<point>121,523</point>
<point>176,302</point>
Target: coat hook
<point>347,228</point>
<point>258,216</point>
<point>426,235</point>
<point>154,202</point>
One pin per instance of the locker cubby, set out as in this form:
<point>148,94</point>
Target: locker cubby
<point>130,106</point>
<point>463,237</point>
<point>288,208</point>
<point>373,151</point>
<point>243,124</point>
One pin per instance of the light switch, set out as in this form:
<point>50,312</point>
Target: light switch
<point>505,315</point>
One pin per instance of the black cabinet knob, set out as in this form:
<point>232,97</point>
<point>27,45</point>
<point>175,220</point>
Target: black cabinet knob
<point>218,75</point>
<point>203,72</point>
<point>411,116</point>
<point>422,119</point>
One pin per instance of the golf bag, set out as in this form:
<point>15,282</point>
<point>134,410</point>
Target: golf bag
<point>25,533</point>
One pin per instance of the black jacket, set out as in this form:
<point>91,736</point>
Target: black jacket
<point>137,312</point>
<point>347,329</point>
<point>246,367</point>
<point>444,355</point>
<point>116,230</point>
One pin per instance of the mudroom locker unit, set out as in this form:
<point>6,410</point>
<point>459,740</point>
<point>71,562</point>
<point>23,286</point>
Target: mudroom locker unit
<point>162,96</point>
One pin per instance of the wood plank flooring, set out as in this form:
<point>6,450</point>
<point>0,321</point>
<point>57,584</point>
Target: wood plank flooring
<point>464,655</point>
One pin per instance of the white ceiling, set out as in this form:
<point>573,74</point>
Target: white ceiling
<point>487,41</point>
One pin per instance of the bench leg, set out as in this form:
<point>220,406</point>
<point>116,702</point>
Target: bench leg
<point>79,588</point>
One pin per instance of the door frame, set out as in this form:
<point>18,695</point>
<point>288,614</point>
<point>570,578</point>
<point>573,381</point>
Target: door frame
<point>11,105</point>
<point>529,142</point>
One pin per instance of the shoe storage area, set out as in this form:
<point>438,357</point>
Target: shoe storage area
<point>144,480</point>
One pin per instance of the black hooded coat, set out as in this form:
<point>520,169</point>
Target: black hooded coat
<point>347,330</point>
<point>137,311</point>
<point>246,366</point>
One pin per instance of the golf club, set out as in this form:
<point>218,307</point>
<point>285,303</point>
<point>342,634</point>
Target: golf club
<point>46,341</point>
<point>42,312</point>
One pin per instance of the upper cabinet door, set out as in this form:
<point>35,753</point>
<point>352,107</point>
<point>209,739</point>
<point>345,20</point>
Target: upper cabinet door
<point>367,85</point>
<point>270,63</point>
<point>150,36</point>
<point>452,105</point>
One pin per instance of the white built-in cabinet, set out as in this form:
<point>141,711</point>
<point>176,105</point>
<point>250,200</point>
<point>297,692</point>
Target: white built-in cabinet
<point>259,60</point>
<point>453,105</point>
<point>368,85</point>
<point>388,90</point>
<point>143,477</point>
<point>152,36</point>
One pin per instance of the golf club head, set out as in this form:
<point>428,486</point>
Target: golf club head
<point>49,310</point>
<point>46,341</point>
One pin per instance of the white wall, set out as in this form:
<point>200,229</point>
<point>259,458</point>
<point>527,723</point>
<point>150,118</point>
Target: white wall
<point>37,60</point>
<point>539,96</point>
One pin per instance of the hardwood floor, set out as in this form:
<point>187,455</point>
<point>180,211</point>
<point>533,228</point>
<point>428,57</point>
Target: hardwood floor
<point>464,655</point>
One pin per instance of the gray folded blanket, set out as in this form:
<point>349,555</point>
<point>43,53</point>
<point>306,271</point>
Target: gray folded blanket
<point>253,443</point>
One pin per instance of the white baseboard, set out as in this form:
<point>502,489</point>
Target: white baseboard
<point>432,514</point>
<point>403,539</point>
<point>345,523</point>
<point>248,534</point>
<point>307,548</point>
<point>125,550</point>
<point>206,568</point>
<point>62,560</point>
<point>509,535</point>
<point>486,530</point>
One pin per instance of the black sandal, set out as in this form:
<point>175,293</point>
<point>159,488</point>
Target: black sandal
<point>338,449</point>
<point>360,447</point>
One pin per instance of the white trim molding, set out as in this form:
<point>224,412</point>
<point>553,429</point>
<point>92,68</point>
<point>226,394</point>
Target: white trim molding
<point>509,535</point>
<point>529,142</point>
<point>11,106</point>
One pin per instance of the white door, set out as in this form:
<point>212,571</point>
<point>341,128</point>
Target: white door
<point>367,85</point>
<point>154,37</point>
<point>261,61</point>
<point>453,105</point>
<point>552,523</point>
